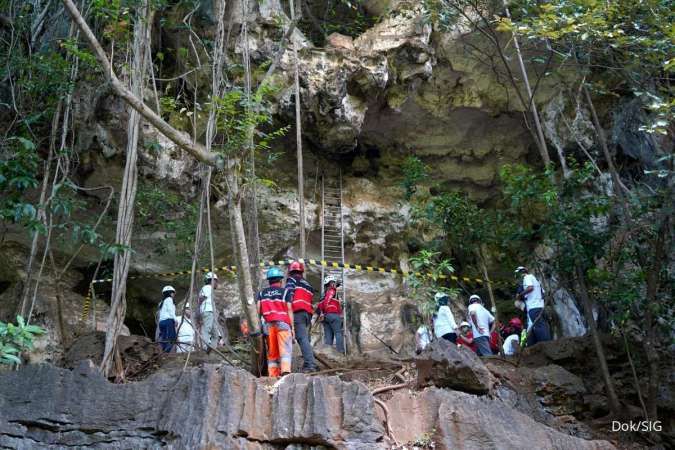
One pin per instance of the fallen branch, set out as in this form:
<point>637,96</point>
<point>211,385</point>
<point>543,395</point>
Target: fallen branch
<point>343,369</point>
<point>390,388</point>
<point>390,433</point>
<point>322,361</point>
<point>219,353</point>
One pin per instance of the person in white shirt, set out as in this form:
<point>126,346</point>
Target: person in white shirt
<point>444,326</point>
<point>511,337</point>
<point>185,333</point>
<point>167,319</point>
<point>533,296</point>
<point>208,331</point>
<point>422,338</point>
<point>482,324</point>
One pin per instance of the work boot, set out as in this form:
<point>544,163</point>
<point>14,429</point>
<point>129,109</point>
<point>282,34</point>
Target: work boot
<point>310,370</point>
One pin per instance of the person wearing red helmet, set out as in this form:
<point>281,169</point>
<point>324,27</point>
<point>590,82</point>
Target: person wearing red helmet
<point>300,293</point>
<point>512,338</point>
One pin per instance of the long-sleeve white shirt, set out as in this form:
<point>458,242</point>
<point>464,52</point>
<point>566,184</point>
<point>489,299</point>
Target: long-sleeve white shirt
<point>445,322</point>
<point>168,310</point>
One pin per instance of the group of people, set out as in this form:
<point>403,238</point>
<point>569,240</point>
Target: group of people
<point>179,332</point>
<point>480,332</point>
<point>287,309</point>
<point>286,312</point>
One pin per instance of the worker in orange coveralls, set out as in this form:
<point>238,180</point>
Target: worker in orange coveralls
<point>277,314</point>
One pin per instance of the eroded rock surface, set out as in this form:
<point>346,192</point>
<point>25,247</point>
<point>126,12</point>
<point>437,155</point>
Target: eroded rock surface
<point>460,421</point>
<point>444,364</point>
<point>209,407</point>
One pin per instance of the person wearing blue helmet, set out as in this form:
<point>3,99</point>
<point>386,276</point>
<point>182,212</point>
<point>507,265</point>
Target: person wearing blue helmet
<point>277,312</point>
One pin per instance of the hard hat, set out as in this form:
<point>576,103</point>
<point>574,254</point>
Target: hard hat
<point>210,276</point>
<point>474,298</point>
<point>464,324</point>
<point>520,269</point>
<point>168,289</point>
<point>440,295</point>
<point>516,323</point>
<point>296,266</point>
<point>329,279</point>
<point>274,273</point>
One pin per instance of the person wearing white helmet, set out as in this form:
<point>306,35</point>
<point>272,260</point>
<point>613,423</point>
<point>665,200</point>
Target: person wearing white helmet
<point>482,325</point>
<point>330,314</point>
<point>167,319</point>
<point>208,332</point>
<point>444,325</point>
<point>533,296</point>
<point>465,337</point>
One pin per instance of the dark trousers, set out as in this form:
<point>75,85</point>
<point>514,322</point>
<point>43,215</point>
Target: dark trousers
<point>332,328</point>
<point>452,337</point>
<point>540,331</point>
<point>482,346</point>
<point>167,334</point>
<point>302,321</point>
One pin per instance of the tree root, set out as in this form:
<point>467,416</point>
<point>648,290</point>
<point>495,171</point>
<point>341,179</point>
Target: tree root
<point>390,388</point>
<point>387,425</point>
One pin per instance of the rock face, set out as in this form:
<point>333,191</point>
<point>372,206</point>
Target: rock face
<point>459,421</point>
<point>209,407</point>
<point>443,364</point>
<point>215,406</point>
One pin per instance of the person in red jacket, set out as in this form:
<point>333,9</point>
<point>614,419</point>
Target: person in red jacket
<point>300,293</point>
<point>466,337</point>
<point>330,314</point>
<point>277,313</point>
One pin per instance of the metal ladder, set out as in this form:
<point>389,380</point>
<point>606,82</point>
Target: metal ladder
<point>332,239</point>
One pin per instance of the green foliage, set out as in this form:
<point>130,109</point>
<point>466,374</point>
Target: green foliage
<point>433,273</point>
<point>158,209</point>
<point>467,225</point>
<point>630,42</point>
<point>347,17</point>
<point>18,170</point>
<point>69,216</point>
<point>414,171</point>
<point>242,123</point>
<point>569,214</point>
<point>15,339</point>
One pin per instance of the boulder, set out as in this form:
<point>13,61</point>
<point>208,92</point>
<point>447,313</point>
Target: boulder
<point>42,406</point>
<point>561,391</point>
<point>444,364</point>
<point>460,421</point>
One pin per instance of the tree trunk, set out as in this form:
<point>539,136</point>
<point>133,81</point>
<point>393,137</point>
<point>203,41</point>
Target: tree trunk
<point>619,187</point>
<point>252,195</point>
<point>125,214</point>
<point>298,140</point>
<point>246,286</point>
<point>135,100</point>
<point>541,141</point>
<point>652,280</point>
<point>612,398</point>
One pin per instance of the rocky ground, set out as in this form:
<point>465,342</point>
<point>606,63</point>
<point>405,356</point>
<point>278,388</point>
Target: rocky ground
<point>444,398</point>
